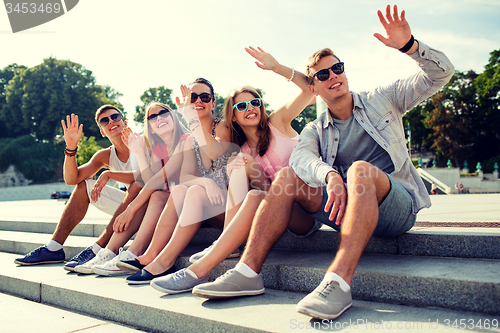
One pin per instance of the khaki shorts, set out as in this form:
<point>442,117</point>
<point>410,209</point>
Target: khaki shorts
<point>109,200</point>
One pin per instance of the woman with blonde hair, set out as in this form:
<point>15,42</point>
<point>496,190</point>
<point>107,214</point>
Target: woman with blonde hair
<point>159,156</point>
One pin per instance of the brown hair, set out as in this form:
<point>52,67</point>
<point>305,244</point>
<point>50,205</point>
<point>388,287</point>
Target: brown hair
<point>105,108</point>
<point>314,59</point>
<point>237,134</point>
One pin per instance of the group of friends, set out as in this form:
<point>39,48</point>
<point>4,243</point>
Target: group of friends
<point>252,175</point>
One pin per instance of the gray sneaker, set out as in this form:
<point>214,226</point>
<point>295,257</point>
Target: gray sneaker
<point>177,282</point>
<point>231,284</point>
<point>327,301</point>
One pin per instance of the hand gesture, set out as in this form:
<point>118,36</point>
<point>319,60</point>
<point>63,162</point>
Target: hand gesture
<point>337,196</point>
<point>264,60</point>
<point>132,140</point>
<point>397,28</point>
<point>98,186</point>
<point>123,220</point>
<point>236,161</point>
<point>184,105</point>
<point>214,193</point>
<point>72,131</point>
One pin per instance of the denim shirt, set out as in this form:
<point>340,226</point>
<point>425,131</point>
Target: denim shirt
<point>380,113</point>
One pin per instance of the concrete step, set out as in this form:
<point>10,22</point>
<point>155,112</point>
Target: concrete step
<point>456,283</point>
<point>111,299</point>
<point>420,241</point>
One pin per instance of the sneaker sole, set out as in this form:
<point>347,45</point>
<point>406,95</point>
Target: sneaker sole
<point>126,267</point>
<point>71,269</point>
<point>211,294</point>
<point>168,291</point>
<point>319,315</point>
<point>81,271</point>
<point>104,272</point>
<point>232,255</point>
<point>37,263</point>
<point>138,282</point>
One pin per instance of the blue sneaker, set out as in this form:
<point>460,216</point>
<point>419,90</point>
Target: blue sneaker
<point>144,277</point>
<point>41,255</point>
<point>80,259</point>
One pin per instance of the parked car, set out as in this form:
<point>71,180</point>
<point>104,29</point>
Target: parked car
<point>60,195</point>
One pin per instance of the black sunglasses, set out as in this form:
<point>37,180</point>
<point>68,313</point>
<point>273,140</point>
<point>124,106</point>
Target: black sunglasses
<point>242,106</point>
<point>104,121</point>
<point>324,74</point>
<point>205,97</point>
<point>157,116</point>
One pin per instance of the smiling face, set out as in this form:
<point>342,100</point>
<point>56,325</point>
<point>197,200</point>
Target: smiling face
<point>249,117</point>
<point>201,108</point>
<point>113,128</point>
<point>335,86</point>
<point>160,124</point>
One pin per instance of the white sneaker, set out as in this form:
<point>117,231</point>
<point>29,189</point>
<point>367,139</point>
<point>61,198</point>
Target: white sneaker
<point>109,268</point>
<point>197,256</point>
<point>101,257</point>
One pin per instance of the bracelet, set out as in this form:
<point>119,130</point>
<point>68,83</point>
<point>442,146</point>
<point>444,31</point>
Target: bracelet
<point>70,152</point>
<point>291,77</point>
<point>194,120</point>
<point>408,45</point>
<point>192,130</point>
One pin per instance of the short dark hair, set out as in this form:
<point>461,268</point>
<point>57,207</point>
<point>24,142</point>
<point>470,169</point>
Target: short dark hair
<point>207,83</point>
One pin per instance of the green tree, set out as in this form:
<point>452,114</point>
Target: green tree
<point>159,94</point>
<point>87,147</point>
<point>45,94</point>
<point>306,116</point>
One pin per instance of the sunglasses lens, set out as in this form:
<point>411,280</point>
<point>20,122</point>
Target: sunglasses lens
<point>104,121</point>
<point>194,97</point>
<point>241,106</point>
<point>255,103</point>
<point>163,113</point>
<point>205,97</point>
<point>338,68</point>
<point>116,117</point>
<point>323,74</point>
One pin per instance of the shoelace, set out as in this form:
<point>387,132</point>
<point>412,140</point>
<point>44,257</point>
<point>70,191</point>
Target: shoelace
<point>36,251</point>
<point>327,289</point>
<point>227,273</point>
<point>179,275</point>
<point>84,255</point>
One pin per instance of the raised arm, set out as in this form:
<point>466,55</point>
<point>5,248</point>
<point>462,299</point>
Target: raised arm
<point>218,145</point>
<point>73,174</point>
<point>135,142</point>
<point>282,117</point>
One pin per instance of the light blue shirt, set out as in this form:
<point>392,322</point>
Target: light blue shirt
<point>380,113</point>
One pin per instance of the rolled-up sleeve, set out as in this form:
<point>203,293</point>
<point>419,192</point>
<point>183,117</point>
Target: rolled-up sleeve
<point>306,159</point>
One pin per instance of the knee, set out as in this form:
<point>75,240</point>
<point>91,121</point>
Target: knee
<point>362,173</point>
<point>158,197</point>
<point>195,193</point>
<point>286,176</point>
<point>134,188</point>
<point>80,187</point>
<point>178,190</point>
<point>256,196</point>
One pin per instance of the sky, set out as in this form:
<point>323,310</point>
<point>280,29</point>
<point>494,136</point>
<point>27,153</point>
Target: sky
<point>135,45</point>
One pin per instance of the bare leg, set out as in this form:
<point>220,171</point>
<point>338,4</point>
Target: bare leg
<point>188,225</point>
<point>156,204</point>
<point>144,220</point>
<point>166,224</point>
<point>238,185</point>
<point>277,206</point>
<point>73,213</point>
<point>130,195</point>
<point>232,237</point>
<point>367,186</point>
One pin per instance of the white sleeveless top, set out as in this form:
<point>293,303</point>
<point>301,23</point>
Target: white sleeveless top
<point>116,165</point>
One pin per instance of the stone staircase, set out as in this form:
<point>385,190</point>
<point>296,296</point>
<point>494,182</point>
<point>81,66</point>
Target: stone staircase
<point>424,277</point>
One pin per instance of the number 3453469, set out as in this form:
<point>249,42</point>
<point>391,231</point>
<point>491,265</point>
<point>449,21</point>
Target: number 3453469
<point>26,8</point>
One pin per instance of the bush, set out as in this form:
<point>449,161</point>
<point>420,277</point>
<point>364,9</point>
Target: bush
<point>37,161</point>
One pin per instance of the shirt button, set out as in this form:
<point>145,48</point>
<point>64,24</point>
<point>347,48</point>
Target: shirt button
<point>423,53</point>
<point>336,139</point>
<point>333,156</point>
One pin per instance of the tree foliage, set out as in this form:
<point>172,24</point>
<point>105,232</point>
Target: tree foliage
<point>36,99</point>
<point>87,147</point>
<point>159,94</point>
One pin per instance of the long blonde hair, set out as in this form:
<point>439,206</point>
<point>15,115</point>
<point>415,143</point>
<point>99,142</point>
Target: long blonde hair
<point>153,139</point>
